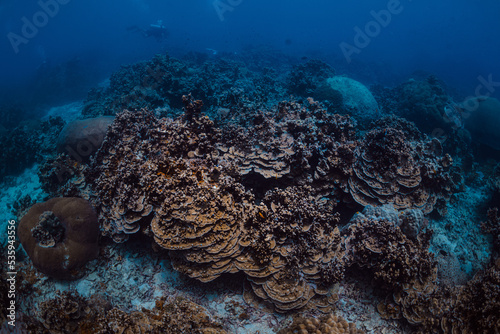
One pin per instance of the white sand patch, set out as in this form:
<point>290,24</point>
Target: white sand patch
<point>14,188</point>
<point>68,112</point>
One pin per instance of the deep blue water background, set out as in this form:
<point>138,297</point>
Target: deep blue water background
<point>455,40</point>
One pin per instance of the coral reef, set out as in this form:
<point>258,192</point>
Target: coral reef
<point>179,316</point>
<point>138,167</point>
<point>295,254</point>
<point>422,102</point>
<point>262,200</point>
<point>492,226</point>
<point>60,236</point>
<point>304,79</point>
<point>470,308</point>
<point>394,259</point>
<point>61,176</point>
<point>28,143</point>
<point>246,205</point>
<point>331,324</point>
<point>410,221</point>
<point>71,313</point>
<point>391,169</point>
<point>227,85</point>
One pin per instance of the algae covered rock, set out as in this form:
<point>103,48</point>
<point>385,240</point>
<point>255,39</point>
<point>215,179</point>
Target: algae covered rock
<point>351,96</point>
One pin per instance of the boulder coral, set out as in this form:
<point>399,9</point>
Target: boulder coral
<point>60,236</point>
<point>352,96</point>
<point>82,138</point>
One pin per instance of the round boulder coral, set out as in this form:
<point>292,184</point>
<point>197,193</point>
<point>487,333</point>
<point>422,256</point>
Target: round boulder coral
<point>80,139</point>
<point>60,236</point>
<point>354,97</point>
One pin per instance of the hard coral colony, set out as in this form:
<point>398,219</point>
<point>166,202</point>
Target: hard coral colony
<point>269,201</point>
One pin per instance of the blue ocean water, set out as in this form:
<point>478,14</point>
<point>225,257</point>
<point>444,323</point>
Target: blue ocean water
<point>418,82</point>
<point>455,40</point>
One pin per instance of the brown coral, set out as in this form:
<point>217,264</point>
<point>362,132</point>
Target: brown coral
<point>330,324</point>
<point>168,174</point>
<point>71,313</point>
<point>470,308</point>
<point>391,169</point>
<point>394,259</point>
<point>133,170</point>
<point>259,201</point>
<point>295,252</point>
<point>60,236</point>
<point>203,225</point>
